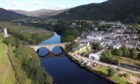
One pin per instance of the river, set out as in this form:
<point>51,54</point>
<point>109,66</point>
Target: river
<point>63,70</point>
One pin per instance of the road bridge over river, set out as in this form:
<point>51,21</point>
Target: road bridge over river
<point>48,46</point>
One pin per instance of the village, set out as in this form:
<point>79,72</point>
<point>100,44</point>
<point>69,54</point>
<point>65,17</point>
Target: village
<point>116,37</point>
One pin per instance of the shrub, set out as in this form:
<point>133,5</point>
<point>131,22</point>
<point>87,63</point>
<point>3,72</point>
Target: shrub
<point>111,72</point>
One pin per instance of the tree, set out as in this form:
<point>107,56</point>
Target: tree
<point>125,51</point>
<point>106,56</point>
<point>118,52</point>
<point>70,34</point>
<point>111,72</point>
<point>70,46</point>
<point>115,61</point>
<point>133,53</point>
<point>108,53</point>
<point>96,46</point>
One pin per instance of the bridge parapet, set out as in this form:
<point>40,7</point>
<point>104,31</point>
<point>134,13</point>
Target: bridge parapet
<point>48,46</point>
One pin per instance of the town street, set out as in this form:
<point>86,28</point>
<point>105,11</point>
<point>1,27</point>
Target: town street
<point>105,64</point>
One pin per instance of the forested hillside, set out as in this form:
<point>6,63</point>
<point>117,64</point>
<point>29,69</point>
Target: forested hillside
<point>123,10</point>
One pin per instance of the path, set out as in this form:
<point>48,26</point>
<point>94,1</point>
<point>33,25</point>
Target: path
<point>9,63</point>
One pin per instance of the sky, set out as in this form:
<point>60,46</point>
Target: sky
<point>30,5</point>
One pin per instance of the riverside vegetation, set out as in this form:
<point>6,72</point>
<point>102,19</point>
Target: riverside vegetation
<point>123,54</point>
<point>6,71</point>
<point>27,33</point>
<point>25,63</point>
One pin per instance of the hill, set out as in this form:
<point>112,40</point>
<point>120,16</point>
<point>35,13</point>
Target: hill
<point>123,10</point>
<point>9,15</point>
<point>40,13</point>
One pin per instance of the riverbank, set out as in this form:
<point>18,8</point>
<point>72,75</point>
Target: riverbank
<point>7,75</point>
<point>121,77</point>
<point>26,63</point>
<point>31,34</point>
<point>78,61</point>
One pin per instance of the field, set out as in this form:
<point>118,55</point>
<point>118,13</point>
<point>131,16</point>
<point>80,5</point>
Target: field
<point>27,33</point>
<point>7,75</point>
<point>130,61</point>
<point>103,70</point>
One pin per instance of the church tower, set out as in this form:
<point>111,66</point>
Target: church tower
<point>5,35</point>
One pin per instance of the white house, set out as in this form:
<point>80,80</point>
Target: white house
<point>94,57</point>
<point>117,46</point>
<point>94,37</point>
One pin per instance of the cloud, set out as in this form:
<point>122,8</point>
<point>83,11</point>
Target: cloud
<point>26,3</point>
<point>19,3</point>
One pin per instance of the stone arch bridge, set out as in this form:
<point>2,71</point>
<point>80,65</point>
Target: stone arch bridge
<point>48,46</point>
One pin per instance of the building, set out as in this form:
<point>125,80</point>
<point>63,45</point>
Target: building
<point>111,23</point>
<point>94,57</point>
<point>94,37</point>
<point>82,49</point>
<point>5,33</point>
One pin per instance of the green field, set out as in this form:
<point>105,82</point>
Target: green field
<point>103,70</point>
<point>27,33</point>
<point>130,61</point>
<point>7,75</point>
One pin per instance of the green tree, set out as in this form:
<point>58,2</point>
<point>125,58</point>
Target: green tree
<point>125,51</point>
<point>96,46</point>
<point>111,72</point>
<point>133,53</point>
<point>70,46</point>
<point>106,56</point>
<point>118,52</point>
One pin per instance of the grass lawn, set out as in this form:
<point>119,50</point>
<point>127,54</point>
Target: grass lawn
<point>130,61</point>
<point>104,71</point>
<point>4,65</point>
<point>119,80</point>
<point>27,33</point>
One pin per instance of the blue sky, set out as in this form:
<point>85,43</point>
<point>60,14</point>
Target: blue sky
<point>30,5</point>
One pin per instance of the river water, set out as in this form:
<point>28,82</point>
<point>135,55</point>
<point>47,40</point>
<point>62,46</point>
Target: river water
<point>63,70</point>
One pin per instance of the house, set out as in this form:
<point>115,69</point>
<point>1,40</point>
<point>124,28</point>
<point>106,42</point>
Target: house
<point>111,23</point>
<point>94,37</point>
<point>82,49</point>
<point>94,57</point>
<point>117,46</point>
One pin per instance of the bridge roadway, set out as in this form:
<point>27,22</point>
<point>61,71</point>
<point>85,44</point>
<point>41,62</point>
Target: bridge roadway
<point>48,46</point>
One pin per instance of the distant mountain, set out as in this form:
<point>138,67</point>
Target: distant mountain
<point>41,12</point>
<point>9,15</point>
<point>124,10</point>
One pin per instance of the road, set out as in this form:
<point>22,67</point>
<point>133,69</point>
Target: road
<point>108,65</point>
<point>135,68</point>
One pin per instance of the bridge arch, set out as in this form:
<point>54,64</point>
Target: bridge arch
<point>48,46</point>
<point>42,51</point>
<point>57,50</point>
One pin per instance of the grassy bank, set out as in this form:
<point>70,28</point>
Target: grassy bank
<point>7,75</point>
<point>26,64</point>
<point>27,33</point>
<point>116,78</point>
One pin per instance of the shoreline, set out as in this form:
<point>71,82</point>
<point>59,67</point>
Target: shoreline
<point>90,70</point>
